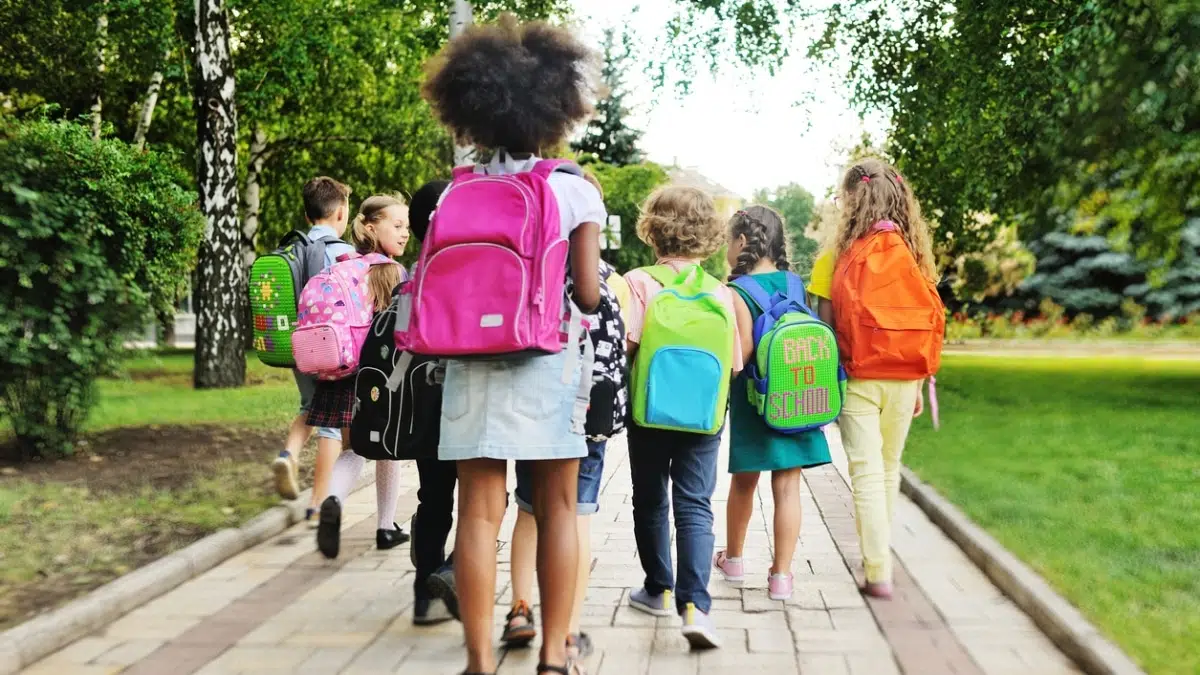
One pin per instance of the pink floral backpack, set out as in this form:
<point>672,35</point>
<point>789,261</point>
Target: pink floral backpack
<point>334,315</point>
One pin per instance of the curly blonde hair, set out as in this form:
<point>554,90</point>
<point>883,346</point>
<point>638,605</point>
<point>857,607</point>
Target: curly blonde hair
<point>873,191</point>
<point>681,222</point>
<point>382,279</point>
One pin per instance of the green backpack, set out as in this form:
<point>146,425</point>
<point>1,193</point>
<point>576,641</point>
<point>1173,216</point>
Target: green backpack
<point>795,380</point>
<point>276,280</point>
<point>685,359</point>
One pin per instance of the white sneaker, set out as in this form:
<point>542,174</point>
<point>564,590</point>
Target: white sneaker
<point>698,629</point>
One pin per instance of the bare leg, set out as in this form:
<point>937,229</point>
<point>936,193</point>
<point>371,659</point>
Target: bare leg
<point>785,488</point>
<point>554,506</point>
<point>481,504</point>
<point>524,557</point>
<point>328,450</point>
<point>584,528</point>
<point>738,511</point>
<point>298,435</point>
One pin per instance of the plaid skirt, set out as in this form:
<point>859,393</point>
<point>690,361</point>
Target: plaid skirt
<point>332,404</point>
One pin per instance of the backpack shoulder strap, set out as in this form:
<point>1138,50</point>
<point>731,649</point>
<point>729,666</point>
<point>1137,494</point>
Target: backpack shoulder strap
<point>373,259</point>
<point>755,290</point>
<point>460,171</point>
<point>548,166</point>
<point>664,275</point>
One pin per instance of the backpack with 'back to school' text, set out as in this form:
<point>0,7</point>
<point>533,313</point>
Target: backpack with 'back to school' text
<point>398,397</point>
<point>334,317</point>
<point>685,357</point>
<point>276,280</point>
<point>794,380</point>
<point>492,268</point>
<point>888,316</point>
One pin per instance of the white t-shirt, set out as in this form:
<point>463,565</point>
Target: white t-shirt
<point>579,201</point>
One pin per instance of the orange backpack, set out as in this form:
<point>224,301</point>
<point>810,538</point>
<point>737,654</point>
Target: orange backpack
<point>888,317</point>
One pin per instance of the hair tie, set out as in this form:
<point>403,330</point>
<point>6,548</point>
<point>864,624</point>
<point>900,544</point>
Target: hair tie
<point>899,178</point>
<point>865,178</point>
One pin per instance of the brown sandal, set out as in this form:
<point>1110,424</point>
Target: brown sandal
<point>516,636</point>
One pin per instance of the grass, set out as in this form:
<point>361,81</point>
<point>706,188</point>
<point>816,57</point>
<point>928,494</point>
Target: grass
<point>70,526</point>
<point>156,388</point>
<point>1089,470</point>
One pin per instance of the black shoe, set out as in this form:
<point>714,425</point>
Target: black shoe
<point>329,528</point>
<point>385,539</point>
<point>441,586</point>
<point>429,611</point>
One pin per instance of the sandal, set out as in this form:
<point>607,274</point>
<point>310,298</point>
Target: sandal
<point>519,635</point>
<point>572,668</point>
<point>579,645</point>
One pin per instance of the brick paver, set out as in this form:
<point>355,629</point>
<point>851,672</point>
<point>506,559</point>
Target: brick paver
<point>281,608</point>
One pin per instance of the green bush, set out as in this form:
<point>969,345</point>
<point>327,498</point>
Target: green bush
<point>625,188</point>
<point>95,239</point>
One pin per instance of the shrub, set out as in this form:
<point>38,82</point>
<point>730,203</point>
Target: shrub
<point>95,237</point>
<point>625,188</point>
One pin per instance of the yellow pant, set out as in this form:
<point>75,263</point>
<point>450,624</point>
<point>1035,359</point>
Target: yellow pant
<point>874,423</point>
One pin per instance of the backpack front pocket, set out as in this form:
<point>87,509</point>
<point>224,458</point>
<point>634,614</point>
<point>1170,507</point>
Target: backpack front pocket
<point>683,385</point>
<point>317,349</point>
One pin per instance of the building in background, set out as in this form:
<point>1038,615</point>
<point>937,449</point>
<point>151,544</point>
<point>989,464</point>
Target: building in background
<point>728,201</point>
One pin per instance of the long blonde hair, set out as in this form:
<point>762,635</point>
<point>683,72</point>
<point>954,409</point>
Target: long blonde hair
<point>873,191</point>
<point>680,222</point>
<point>382,279</point>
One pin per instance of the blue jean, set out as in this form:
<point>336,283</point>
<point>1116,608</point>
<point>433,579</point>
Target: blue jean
<point>689,461</point>
<point>591,470</point>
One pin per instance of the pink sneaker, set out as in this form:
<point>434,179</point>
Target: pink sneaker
<point>779,586</point>
<point>878,589</point>
<point>731,568</point>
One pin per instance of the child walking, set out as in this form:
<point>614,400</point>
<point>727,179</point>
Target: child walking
<point>516,89</point>
<point>381,226</point>
<point>681,225</point>
<point>890,324</point>
<point>327,211</point>
<point>758,248</point>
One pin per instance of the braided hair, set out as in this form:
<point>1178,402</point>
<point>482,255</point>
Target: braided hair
<point>765,235</point>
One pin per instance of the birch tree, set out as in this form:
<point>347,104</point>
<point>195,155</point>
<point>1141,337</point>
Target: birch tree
<point>220,276</point>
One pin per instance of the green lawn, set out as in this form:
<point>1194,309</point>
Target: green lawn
<point>162,465</point>
<point>1089,470</point>
<point>156,388</point>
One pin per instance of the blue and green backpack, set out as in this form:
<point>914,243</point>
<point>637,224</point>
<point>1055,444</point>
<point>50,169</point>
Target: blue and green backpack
<point>795,380</point>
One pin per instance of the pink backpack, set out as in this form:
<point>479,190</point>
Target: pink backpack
<point>334,317</point>
<point>492,269</point>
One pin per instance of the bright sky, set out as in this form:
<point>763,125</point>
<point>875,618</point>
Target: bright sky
<point>744,131</point>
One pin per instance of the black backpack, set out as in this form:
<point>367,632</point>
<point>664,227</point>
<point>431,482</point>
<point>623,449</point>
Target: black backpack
<point>398,406</point>
<point>609,406</point>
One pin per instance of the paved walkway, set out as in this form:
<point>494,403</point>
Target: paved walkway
<point>281,608</point>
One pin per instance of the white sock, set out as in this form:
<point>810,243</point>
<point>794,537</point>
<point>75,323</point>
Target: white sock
<point>345,474</point>
<point>387,491</point>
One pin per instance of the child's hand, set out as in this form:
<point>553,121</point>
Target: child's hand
<point>920,407</point>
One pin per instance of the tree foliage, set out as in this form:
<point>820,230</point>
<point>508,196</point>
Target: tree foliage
<point>94,239</point>
<point>608,137</point>
<point>625,188</point>
<point>1027,109</point>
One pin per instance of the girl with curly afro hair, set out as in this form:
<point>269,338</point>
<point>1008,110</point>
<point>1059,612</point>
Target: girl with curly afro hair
<point>517,90</point>
<point>682,226</point>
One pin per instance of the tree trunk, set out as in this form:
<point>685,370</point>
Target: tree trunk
<point>148,103</point>
<point>101,67</point>
<point>251,207</point>
<point>252,195</point>
<point>461,17</point>
<point>221,276</point>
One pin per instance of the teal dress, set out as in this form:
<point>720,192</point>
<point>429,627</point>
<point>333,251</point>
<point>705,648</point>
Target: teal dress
<point>753,446</point>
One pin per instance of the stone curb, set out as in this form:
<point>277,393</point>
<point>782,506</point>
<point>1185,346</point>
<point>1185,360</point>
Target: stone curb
<point>25,644</point>
<point>1061,622</point>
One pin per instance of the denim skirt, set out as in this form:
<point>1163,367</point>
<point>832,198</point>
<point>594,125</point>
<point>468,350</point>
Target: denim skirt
<point>518,409</point>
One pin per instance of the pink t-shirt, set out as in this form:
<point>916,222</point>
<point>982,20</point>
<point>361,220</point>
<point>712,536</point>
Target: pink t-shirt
<point>642,287</point>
